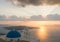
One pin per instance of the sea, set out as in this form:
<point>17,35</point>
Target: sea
<point>45,31</point>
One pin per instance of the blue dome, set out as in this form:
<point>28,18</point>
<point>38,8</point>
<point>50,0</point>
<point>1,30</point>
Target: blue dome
<point>13,34</point>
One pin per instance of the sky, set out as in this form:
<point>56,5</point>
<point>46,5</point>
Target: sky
<point>7,8</point>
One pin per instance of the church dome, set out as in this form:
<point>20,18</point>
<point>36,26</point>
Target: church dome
<point>13,34</point>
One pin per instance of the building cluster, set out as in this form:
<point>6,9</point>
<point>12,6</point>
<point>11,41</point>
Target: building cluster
<point>19,35</point>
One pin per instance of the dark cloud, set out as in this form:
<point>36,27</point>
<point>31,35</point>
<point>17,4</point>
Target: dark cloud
<point>53,2</point>
<point>26,2</point>
<point>35,2</point>
<point>53,17</point>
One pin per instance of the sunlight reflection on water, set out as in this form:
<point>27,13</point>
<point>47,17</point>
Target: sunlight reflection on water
<point>42,33</point>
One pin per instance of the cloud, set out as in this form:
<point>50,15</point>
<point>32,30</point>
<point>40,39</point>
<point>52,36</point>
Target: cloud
<point>26,2</point>
<point>24,18</point>
<point>34,17</point>
<point>13,17</point>
<point>2,17</point>
<point>53,17</point>
<point>35,2</point>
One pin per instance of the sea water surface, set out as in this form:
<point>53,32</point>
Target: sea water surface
<point>48,31</point>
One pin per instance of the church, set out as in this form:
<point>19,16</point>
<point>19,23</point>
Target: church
<point>15,35</point>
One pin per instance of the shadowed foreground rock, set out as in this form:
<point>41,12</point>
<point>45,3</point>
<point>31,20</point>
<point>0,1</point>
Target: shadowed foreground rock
<point>1,40</point>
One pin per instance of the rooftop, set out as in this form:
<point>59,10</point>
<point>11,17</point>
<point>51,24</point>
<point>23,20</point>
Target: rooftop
<point>13,34</point>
